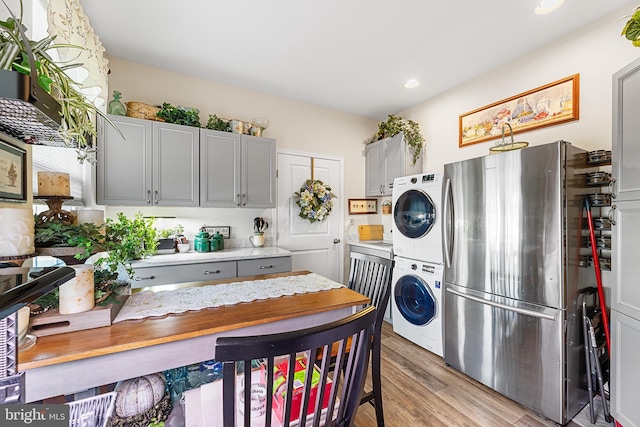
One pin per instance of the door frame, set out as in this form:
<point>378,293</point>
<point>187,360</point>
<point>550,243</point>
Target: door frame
<point>341,202</point>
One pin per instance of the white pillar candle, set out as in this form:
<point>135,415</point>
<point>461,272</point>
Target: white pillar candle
<point>53,184</point>
<point>17,229</point>
<point>24,314</point>
<point>77,295</point>
<point>94,216</point>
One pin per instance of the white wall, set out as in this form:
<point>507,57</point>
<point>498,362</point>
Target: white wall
<point>595,52</point>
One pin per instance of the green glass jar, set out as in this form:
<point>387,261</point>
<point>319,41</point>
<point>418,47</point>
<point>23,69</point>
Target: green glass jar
<point>202,242</point>
<point>116,106</point>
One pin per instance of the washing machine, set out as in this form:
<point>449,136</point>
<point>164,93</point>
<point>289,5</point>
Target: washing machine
<point>417,217</point>
<point>416,303</point>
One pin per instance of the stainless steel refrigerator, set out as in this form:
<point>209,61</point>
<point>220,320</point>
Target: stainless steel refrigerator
<point>511,239</point>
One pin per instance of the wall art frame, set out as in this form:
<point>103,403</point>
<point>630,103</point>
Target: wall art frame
<point>548,105</point>
<point>13,173</point>
<point>363,206</point>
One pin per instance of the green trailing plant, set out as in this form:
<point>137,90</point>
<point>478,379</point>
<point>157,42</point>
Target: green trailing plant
<point>216,123</point>
<point>411,130</point>
<point>631,30</point>
<point>77,127</point>
<point>179,115</point>
<point>128,239</point>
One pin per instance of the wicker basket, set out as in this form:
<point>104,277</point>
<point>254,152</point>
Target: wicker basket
<point>94,411</point>
<point>140,110</point>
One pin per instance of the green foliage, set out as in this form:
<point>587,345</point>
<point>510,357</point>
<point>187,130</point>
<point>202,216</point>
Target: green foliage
<point>78,115</point>
<point>169,232</point>
<point>179,115</point>
<point>631,29</point>
<point>217,123</point>
<point>57,234</point>
<point>128,239</point>
<point>395,125</point>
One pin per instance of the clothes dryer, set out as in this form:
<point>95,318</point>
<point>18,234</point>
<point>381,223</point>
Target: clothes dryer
<point>416,303</point>
<point>417,217</point>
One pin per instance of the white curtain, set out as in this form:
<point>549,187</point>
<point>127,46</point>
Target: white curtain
<point>70,25</point>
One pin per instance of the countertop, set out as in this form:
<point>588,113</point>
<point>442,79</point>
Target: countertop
<point>193,257</point>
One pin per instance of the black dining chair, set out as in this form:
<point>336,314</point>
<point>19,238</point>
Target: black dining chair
<point>371,276</point>
<point>342,398</point>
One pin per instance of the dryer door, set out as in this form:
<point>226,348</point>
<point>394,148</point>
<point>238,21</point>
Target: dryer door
<point>414,214</point>
<point>415,301</point>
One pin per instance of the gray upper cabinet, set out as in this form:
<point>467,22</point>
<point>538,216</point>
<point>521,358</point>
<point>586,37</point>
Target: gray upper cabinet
<point>237,170</point>
<point>386,160</point>
<point>156,163</point>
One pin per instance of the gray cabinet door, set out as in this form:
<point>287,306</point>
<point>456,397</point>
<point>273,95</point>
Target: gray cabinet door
<point>176,154</point>
<point>258,172</point>
<point>625,374</point>
<point>394,163</point>
<point>374,159</point>
<point>219,169</point>
<point>124,166</point>
<point>626,132</point>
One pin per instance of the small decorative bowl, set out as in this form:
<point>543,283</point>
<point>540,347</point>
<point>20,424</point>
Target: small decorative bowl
<point>183,247</point>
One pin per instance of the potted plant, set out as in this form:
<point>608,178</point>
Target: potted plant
<point>411,130</point>
<point>179,115</point>
<point>69,242</point>
<point>631,30</point>
<point>168,238</point>
<point>77,126</point>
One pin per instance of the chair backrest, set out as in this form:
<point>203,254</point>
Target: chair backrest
<point>371,276</point>
<point>236,353</point>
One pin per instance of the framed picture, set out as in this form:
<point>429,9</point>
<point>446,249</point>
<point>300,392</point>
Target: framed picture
<point>547,105</point>
<point>363,206</point>
<point>13,173</point>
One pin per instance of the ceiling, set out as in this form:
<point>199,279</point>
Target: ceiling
<point>349,55</point>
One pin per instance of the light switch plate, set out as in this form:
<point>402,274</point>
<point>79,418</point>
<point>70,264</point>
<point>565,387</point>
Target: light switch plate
<point>224,230</point>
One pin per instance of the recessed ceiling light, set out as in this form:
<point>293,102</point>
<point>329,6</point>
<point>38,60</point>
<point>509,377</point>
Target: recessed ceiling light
<point>410,84</point>
<point>546,6</point>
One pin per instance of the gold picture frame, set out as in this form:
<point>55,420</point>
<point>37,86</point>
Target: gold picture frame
<point>13,175</point>
<point>547,105</point>
<point>363,206</point>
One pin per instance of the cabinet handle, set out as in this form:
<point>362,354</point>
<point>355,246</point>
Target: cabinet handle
<point>612,189</point>
<point>155,197</point>
<point>264,267</point>
<point>137,279</point>
<point>382,189</point>
<point>244,199</point>
<point>148,197</point>
<point>212,272</point>
<point>238,199</point>
<point>611,214</point>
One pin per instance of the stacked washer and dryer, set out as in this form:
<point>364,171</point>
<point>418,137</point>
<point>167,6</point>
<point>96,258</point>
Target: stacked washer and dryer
<point>416,303</point>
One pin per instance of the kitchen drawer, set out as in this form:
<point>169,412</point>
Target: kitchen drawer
<point>251,267</point>
<point>170,274</point>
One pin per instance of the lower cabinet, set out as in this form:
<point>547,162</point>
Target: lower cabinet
<point>625,375</point>
<point>198,272</point>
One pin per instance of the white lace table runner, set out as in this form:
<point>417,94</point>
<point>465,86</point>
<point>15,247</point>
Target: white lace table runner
<point>158,304</point>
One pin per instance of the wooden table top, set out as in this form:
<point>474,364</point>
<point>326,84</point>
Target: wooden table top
<point>132,334</point>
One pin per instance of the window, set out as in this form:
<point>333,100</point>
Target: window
<point>59,159</point>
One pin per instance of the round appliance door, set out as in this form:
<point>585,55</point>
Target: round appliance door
<point>414,214</point>
<point>414,300</point>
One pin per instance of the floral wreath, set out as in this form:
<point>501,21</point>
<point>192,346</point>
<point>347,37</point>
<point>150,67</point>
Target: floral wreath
<point>315,200</point>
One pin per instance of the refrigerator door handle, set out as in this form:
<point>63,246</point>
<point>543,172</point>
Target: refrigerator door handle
<point>519,310</point>
<point>447,229</point>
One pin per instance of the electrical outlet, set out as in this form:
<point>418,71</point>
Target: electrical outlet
<point>224,230</point>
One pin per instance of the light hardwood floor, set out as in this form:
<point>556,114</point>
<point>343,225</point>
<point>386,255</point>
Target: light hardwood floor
<point>419,389</point>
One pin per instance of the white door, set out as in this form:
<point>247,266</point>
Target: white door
<point>317,246</point>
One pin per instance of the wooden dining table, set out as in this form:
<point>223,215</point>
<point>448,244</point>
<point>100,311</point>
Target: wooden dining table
<point>76,361</point>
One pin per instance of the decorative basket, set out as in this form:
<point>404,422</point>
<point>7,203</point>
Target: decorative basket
<point>94,411</point>
<point>140,110</point>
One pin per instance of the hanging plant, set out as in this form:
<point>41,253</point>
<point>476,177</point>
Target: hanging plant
<point>631,29</point>
<point>315,200</point>
<point>395,125</point>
